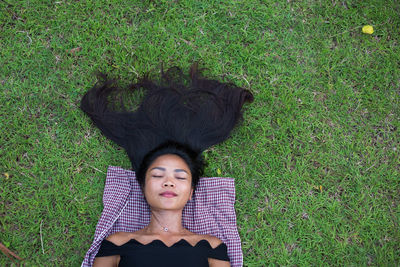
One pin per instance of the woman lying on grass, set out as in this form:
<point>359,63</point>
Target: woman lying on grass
<point>164,137</point>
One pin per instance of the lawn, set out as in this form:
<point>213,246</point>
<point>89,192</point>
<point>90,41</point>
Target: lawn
<point>316,159</point>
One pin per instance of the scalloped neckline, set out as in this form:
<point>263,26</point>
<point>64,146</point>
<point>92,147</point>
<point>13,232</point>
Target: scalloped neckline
<point>182,240</point>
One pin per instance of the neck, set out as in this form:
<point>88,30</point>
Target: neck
<point>165,222</point>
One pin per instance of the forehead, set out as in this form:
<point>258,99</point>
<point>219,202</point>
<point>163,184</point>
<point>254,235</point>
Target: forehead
<point>170,161</point>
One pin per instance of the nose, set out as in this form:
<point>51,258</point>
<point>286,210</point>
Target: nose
<point>168,183</point>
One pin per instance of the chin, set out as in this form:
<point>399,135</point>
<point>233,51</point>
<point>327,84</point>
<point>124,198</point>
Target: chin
<point>172,206</point>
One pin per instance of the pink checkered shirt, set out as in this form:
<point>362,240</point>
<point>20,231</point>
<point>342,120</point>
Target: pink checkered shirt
<point>211,211</point>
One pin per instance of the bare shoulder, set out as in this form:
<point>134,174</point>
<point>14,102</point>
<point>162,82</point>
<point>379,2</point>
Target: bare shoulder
<point>120,238</point>
<point>218,263</point>
<point>214,241</point>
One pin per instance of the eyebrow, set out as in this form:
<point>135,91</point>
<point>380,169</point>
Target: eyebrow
<point>180,170</point>
<point>163,169</point>
<point>158,168</point>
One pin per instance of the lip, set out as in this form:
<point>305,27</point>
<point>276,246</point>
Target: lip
<point>168,194</point>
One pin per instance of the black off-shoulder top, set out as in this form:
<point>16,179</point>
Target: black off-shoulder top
<point>156,253</point>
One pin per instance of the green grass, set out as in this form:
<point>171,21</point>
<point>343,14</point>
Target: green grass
<point>316,161</point>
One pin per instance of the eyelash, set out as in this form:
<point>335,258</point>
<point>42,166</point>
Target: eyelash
<point>179,178</point>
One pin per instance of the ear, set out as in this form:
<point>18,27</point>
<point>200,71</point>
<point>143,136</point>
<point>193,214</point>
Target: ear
<point>191,194</point>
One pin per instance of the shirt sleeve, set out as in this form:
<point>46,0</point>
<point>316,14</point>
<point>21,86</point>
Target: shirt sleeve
<point>108,248</point>
<point>219,253</point>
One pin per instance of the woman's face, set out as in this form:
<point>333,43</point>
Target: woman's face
<point>168,183</point>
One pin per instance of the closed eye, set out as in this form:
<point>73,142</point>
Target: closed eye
<point>181,178</point>
<point>156,176</point>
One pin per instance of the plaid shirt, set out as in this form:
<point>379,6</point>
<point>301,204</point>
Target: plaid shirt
<point>211,211</point>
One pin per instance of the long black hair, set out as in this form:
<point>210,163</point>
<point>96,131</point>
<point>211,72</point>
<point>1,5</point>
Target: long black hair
<point>186,113</point>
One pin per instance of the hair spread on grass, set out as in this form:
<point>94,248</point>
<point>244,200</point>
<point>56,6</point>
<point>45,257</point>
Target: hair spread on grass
<point>189,111</point>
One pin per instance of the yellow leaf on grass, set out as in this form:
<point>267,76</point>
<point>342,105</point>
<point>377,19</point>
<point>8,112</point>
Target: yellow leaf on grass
<point>319,187</point>
<point>368,29</point>
<point>219,171</point>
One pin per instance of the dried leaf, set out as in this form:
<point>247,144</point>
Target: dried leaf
<point>74,50</point>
